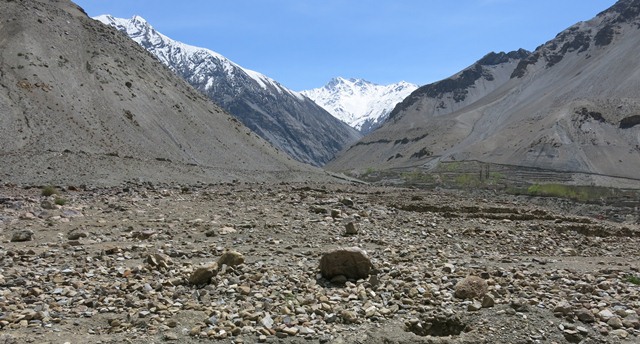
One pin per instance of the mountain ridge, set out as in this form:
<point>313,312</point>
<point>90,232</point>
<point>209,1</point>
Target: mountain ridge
<point>285,118</point>
<point>360,103</point>
<point>83,104</point>
<point>567,106</point>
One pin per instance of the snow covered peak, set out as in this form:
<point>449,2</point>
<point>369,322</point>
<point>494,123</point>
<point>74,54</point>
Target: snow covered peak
<point>360,103</point>
<point>178,55</point>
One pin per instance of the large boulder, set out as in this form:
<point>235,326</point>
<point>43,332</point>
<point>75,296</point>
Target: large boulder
<point>351,262</point>
<point>472,287</point>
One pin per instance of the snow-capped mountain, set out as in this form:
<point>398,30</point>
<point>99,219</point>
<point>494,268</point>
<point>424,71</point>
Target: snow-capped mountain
<point>360,103</point>
<point>285,118</point>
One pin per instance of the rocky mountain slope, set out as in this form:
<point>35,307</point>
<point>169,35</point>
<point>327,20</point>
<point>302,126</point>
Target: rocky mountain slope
<point>82,103</point>
<point>571,105</point>
<point>287,119</point>
<point>360,103</point>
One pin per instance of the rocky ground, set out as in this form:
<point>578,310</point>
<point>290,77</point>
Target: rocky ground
<point>117,265</point>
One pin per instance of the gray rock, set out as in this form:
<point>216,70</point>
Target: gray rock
<point>615,322</point>
<point>488,301</point>
<point>585,315</point>
<point>350,228</point>
<point>351,262</point>
<point>22,235</point>
<point>563,308</point>
<point>77,234</point>
<point>46,204</point>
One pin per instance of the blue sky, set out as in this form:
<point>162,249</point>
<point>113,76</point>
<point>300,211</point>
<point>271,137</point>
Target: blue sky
<point>304,43</point>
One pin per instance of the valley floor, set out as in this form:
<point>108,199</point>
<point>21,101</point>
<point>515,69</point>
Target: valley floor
<point>109,265</point>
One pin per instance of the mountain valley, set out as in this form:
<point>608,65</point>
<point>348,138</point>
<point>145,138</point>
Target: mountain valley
<point>500,204</point>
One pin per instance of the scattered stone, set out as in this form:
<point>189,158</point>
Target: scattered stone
<point>292,331</point>
<point>267,321</point>
<point>448,268</point>
<point>159,260</point>
<point>170,336</point>
<point>472,287</point>
<point>563,308</point>
<point>615,322</point>
<point>77,234</point>
<point>619,333</point>
<point>351,228</point>
<point>352,262</point>
<point>227,230</point>
<point>349,317</point>
<point>474,306</point>
<point>203,274</point>
<point>488,301</point>
<point>585,315</point>
<point>231,258</point>
<point>46,204</point>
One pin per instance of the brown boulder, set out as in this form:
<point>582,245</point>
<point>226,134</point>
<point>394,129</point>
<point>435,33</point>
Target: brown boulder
<point>351,262</point>
<point>231,258</point>
<point>472,287</point>
<point>203,274</point>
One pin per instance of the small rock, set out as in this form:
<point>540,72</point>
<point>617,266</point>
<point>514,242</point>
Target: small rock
<point>203,274</point>
<point>585,315</point>
<point>267,321</point>
<point>349,317</point>
<point>350,229</point>
<point>474,306</point>
<point>605,314</point>
<point>227,230</point>
<point>472,287</point>
<point>46,204</point>
<point>619,333</point>
<point>563,308</point>
<point>448,268</point>
<point>159,260</point>
<point>351,262</point>
<point>488,301</point>
<point>22,235</point>
<point>292,331</point>
<point>347,201</point>
<point>77,234</point>
<point>170,336</point>
<point>572,336</point>
<point>231,258</point>
<point>615,322</point>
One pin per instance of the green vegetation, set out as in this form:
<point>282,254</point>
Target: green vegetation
<point>416,176</point>
<point>49,191</point>
<point>633,280</point>
<point>60,201</point>
<point>581,193</point>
